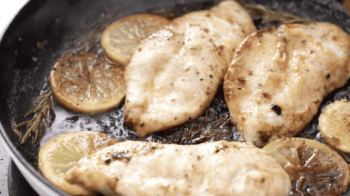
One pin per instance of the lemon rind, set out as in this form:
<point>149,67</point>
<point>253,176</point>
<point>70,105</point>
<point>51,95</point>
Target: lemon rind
<point>110,51</point>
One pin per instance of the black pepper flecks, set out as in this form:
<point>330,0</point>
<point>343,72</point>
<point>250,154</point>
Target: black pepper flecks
<point>277,109</point>
<point>119,155</point>
<point>108,161</point>
<point>153,148</point>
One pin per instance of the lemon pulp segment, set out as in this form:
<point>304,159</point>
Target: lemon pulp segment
<point>86,83</point>
<point>314,168</point>
<point>121,38</point>
<point>60,153</point>
<point>334,125</point>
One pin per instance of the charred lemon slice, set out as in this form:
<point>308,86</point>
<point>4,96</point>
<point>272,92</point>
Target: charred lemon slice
<point>121,38</point>
<point>60,153</point>
<point>314,168</point>
<point>88,84</point>
<point>334,125</point>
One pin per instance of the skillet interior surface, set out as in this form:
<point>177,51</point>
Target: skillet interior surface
<point>44,30</point>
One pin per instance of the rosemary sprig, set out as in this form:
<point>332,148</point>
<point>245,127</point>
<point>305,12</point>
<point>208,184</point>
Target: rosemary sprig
<point>43,112</point>
<point>270,16</point>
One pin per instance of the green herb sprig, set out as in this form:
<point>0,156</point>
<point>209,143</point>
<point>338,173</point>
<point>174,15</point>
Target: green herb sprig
<point>43,113</point>
<point>270,16</point>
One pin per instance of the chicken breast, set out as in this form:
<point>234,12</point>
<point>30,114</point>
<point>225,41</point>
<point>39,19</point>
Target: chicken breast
<point>279,77</point>
<point>145,168</point>
<point>226,24</point>
<point>174,74</point>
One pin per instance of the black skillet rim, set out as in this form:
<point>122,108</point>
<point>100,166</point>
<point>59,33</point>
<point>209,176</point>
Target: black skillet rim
<point>8,143</point>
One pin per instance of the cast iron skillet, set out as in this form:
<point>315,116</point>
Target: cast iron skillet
<point>46,29</point>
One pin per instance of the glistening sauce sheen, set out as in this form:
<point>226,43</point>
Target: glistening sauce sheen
<point>214,124</point>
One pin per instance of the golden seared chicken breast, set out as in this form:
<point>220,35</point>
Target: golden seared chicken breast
<point>217,168</point>
<point>279,77</point>
<point>175,73</point>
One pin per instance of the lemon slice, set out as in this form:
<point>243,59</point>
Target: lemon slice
<point>88,84</point>
<point>121,38</point>
<point>60,153</point>
<point>314,168</point>
<point>346,4</point>
<point>334,125</point>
